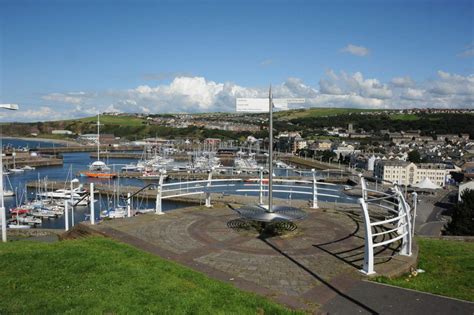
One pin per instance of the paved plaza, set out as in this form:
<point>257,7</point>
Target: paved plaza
<point>310,268</point>
<point>327,246</point>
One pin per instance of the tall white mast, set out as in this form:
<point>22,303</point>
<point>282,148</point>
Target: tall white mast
<point>98,137</point>
<point>270,152</point>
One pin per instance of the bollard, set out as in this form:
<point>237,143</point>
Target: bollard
<point>208,192</point>
<point>315,191</point>
<point>92,203</point>
<point>129,210</point>
<point>72,215</point>
<point>415,201</point>
<point>158,209</point>
<point>66,215</point>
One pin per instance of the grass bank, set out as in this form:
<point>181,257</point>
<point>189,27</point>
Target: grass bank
<point>116,120</point>
<point>98,275</point>
<point>448,266</point>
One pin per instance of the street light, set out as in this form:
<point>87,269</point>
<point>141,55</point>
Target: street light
<point>2,201</point>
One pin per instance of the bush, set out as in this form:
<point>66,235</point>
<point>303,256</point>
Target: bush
<point>462,222</point>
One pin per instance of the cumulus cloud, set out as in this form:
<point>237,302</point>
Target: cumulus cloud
<point>198,94</point>
<point>355,50</point>
<point>355,84</point>
<point>452,84</point>
<point>70,98</point>
<point>403,82</point>
<point>412,94</point>
<point>32,114</point>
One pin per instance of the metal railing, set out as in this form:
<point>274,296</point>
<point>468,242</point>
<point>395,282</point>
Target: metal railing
<point>396,224</point>
<point>258,185</point>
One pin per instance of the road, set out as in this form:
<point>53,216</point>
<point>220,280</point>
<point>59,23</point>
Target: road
<point>429,219</point>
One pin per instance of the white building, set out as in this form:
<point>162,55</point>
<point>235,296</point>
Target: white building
<point>371,163</point>
<point>345,149</point>
<point>62,132</point>
<point>88,137</point>
<point>407,173</point>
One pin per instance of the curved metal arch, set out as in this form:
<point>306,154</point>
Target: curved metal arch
<point>398,228</point>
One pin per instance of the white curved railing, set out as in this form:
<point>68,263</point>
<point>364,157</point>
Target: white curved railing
<point>397,223</point>
<point>258,185</point>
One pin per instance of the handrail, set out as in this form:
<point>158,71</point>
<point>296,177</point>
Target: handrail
<point>394,203</point>
<point>388,231</point>
<point>392,240</point>
<point>388,220</point>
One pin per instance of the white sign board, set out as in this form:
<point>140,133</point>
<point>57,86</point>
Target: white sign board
<point>257,105</point>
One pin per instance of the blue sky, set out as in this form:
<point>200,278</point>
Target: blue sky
<point>76,57</point>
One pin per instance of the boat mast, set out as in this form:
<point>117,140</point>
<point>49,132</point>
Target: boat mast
<point>98,137</point>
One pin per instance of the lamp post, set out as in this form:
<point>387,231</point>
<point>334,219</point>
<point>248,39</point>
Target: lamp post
<point>2,201</point>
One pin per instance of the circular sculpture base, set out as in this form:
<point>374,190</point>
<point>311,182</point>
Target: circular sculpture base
<point>261,213</point>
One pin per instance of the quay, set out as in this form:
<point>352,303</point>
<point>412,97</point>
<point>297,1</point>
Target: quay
<point>117,155</point>
<point>133,155</point>
<point>150,193</point>
<point>310,163</point>
<point>34,161</point>
<point>184,176</point>
<point>87,148</point>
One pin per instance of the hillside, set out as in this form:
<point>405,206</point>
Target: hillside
<point>318,112</point>
<point>309,121</point>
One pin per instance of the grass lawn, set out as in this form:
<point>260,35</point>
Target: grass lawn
<point>98,275</point>
<point>116,120</point>
<point>449,269</point>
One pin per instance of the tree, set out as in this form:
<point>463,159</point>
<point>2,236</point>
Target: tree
<point>462,221</point>
<point>414,156</point>
<point>327,154</point>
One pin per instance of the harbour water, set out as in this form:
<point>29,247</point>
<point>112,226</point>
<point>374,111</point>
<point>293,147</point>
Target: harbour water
<point>76,162</point>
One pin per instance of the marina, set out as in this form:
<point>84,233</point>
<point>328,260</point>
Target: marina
<point>54,182</point>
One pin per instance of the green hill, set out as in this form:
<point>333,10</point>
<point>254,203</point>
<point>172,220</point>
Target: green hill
<point>318,112</point>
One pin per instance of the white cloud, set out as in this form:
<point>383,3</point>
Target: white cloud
<point>32,114</point>
<point>69,98</point>
<point>355,84</point>
<point>452,84</point>
<point>402,82</point>
<point>355,50</point>
<point>412,94</point>
<point>197,94</point>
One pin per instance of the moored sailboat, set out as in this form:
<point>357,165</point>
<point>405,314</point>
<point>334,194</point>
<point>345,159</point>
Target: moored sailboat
<point>98,169</point>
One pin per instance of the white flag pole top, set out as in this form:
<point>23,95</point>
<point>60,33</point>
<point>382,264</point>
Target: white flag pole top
<point>9,106</point>
<point>259,105</point>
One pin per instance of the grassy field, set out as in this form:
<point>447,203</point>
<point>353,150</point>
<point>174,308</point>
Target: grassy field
<point>318,112</point>
<point>449,269</point>
<point>98,275</point>
<point>116,120</point>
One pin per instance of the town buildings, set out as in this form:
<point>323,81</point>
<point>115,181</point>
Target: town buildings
<point>407,173</point>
